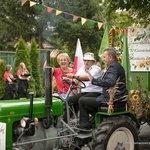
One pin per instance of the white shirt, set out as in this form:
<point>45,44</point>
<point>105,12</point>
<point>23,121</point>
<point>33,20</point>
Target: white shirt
<point>96,73</point>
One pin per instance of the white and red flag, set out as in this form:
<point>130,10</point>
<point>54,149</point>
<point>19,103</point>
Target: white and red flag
<point>78,60</point>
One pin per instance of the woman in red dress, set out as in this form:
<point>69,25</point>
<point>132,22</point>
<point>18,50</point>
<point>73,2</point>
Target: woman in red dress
<point>10,87</point>
<point>60,73</point>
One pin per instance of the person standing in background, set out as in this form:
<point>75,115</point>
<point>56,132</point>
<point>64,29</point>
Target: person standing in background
<point>23,78</point>
<point>10,86</point>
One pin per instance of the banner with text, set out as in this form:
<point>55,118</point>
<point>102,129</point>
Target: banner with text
<point>139,48</point>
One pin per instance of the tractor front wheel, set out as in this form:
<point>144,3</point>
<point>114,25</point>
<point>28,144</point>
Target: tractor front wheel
<point>117,133</point>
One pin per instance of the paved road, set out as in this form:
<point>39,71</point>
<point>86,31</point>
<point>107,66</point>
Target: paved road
<point>145,137</point>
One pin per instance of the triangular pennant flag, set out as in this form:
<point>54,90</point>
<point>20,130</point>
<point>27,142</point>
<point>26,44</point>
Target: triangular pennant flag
<point>67,15</point>
<point>58,12</point>
<point>78,59</point>
<point>23,2</point>
<point>49,9</point>
<point>99,24</point>
<point>32,3</point>
<point>83,20</point>
<point>40,7</point>
<point>92,22</point>
<point>75,18</point>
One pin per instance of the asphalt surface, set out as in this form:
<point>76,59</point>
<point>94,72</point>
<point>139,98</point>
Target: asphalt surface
<point>144,137</point>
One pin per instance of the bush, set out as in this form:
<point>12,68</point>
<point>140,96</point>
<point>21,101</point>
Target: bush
<point>2,83</point>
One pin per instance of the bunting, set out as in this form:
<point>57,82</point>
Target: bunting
<point>32,3</point>
<point>99,24</point>
<point>92,23</point>
<point>83,20</point>
<point>40,7</point>
<point>58,12</point>
<point>75,18</point>
<point>23,2</point>
<point>50,9</point>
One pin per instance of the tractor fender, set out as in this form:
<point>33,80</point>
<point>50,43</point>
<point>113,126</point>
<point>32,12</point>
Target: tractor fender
<point>100,116</point>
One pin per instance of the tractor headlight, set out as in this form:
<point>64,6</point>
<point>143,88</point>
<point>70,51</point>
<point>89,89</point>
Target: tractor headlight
<point>24,122</point>
<point>36,121</point>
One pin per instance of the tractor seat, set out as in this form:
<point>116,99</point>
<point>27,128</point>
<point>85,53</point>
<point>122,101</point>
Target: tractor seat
<point>118,106</point>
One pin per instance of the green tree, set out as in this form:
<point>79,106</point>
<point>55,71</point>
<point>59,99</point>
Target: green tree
<point>66,32</point>
<point>127,12</point>
<point>34,57</point>
<point>2,83</point>
<point>16,21</point>
<point>22,55</point>
<point>60,31</point>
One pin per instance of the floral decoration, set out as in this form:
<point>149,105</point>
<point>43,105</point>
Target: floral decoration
<point>139,102</point>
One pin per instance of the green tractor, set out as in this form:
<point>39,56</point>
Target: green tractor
<point>37,124</point>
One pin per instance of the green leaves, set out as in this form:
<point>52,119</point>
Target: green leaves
<point>134,12</point>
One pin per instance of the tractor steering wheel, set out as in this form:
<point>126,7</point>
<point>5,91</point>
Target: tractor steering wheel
<point>80,85</point>
<point>72,83</point>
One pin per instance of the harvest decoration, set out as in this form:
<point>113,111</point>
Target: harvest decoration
<point>112,91</point>
<point>116,41</point>
<point>139,101</point>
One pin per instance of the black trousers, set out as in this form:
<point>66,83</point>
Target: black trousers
<point>22,88</point>
<point>73,101</point>
<point>10,91</point>
<point>87,105</point>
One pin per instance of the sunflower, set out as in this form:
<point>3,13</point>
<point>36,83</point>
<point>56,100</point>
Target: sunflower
<point>136,91</point>
<point>147,105</point>
<point>132,92</point>
<point>135,97</point>
<point>138,104</point>
<point>132,108</point>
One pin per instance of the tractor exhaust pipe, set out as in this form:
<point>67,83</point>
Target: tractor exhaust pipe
<point>48,92</point>
<point>31,105</point>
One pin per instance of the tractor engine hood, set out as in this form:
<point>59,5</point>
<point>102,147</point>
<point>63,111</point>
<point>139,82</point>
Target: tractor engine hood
<point>18,108</point>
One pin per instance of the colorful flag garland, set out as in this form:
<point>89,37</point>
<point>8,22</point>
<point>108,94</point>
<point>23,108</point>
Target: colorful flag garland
<point>50,9</point>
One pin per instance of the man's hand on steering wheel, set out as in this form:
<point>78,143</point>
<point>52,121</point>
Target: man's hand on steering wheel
<point>78,83</point>
<point>73,80</point>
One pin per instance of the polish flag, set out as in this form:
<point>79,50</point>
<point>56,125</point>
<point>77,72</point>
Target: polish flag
<point>78,60</point>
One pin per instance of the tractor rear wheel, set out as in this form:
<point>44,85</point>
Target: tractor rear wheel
<point>117,133</point>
